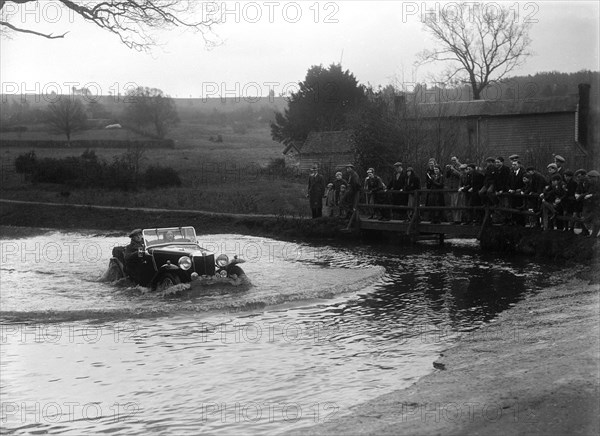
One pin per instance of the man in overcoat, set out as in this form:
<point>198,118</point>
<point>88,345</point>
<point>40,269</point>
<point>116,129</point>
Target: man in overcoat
<point>316,191</point>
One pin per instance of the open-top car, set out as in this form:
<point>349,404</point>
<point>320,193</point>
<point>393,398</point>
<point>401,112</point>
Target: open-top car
<point>169,256</point>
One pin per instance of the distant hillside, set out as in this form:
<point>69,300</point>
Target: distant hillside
<point>228,104</point>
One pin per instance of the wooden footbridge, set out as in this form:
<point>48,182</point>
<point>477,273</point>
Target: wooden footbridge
<point>417,223</point>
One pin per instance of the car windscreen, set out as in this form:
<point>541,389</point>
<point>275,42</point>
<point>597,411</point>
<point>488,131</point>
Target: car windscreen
<point>169,235</point>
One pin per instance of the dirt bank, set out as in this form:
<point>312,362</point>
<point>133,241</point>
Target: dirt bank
<point>83,217</point>
<point>534,371</point>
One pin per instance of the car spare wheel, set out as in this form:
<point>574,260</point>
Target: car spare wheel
<point>166,281</point>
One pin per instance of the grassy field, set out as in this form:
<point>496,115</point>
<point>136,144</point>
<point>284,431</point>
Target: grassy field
<point>228,176</point>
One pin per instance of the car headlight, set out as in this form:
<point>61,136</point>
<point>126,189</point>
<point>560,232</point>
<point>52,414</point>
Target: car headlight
<point>222,260</point>
<point>185,263</point>
<point>222,273</point>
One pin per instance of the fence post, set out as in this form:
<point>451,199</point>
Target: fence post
<point>486,219</point>
<point>411,229</point>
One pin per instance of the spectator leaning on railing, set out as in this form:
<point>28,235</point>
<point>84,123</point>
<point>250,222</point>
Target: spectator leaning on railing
<point>560,199</point>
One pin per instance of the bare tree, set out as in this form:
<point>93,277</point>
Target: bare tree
<point>67,115</point>
<point>482,42</point>
<point>131,20</point>
<point>149,106</point>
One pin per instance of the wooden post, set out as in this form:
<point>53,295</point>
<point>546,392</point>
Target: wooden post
<point>412,226</point>
<point>486,219</point>
<point>354,212</point>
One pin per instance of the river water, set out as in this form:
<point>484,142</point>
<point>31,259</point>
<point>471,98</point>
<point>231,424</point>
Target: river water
<point>322,329</point>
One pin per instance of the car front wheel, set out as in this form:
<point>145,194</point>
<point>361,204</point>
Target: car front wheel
<point>166,281</point>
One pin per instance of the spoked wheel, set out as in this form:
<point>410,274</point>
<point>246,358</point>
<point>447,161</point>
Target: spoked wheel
<point>166,281</point>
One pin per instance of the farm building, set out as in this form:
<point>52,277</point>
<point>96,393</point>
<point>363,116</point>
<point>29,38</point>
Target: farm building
<point>328,150</point>
<point>530,128</point>
<point>535,129</point>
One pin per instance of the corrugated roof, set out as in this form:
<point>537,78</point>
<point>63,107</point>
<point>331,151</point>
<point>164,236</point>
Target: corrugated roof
<point>476,108</point>
<point>329,142</point>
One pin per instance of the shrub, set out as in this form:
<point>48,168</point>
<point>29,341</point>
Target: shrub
<point>278,168</point>
<point>157,176</point>
<point>25,163</point>
<point>49,170</point>
<point>119,175</point>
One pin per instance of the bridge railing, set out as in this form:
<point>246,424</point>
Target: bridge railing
<point>532,206</point>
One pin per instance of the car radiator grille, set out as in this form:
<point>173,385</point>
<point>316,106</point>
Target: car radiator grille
<point>204,265</point>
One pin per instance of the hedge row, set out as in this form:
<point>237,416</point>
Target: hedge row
<point>90,143</point>
<point>88,171</point>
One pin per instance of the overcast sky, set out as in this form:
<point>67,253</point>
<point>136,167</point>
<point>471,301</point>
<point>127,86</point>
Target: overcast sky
<point>272,44</point>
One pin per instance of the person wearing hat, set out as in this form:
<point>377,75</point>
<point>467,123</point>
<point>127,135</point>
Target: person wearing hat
<point>375,190</point>
<point>515,188</point>
<point>353,190</point>
<point>514,157</point>
<point>560,162</point>
<point>395,187</point>
<point>315,192</point>
<point>133,250</point>
<point>474,183</point>
<point>552,204</point>
<point>413,183</point>
<point>487,191</point>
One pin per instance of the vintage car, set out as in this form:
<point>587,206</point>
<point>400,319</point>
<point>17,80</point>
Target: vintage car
<point>171,256</point>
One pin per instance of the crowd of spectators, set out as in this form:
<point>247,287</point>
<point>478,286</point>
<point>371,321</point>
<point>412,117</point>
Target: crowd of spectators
<point>560,199</point>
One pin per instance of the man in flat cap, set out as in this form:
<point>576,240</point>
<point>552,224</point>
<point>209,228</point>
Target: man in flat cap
<point>515,188</point>
<point>316,191</point>
<point>560,162</point>
<point>354,187</point>
<point>514,157</point>
<point>137,242</point>
<point>133,252</point>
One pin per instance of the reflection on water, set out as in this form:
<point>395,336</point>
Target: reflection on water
<point>321,331</point>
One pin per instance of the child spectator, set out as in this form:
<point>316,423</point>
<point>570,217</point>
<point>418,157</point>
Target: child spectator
<point>329,200</point>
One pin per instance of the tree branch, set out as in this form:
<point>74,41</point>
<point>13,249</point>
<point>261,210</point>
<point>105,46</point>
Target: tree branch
<point>130,20</point>
<point>45,35</point>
